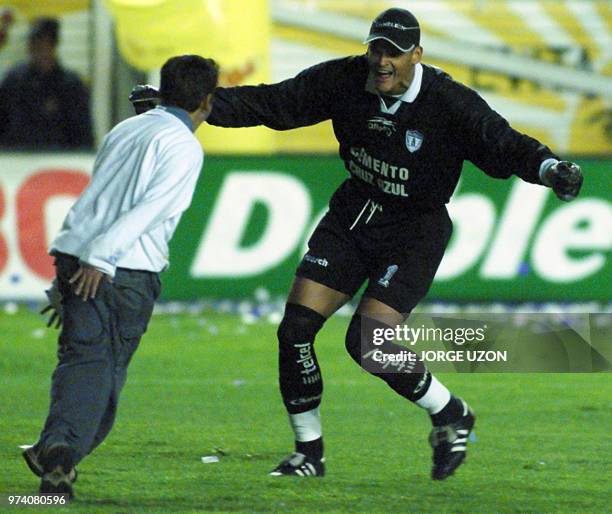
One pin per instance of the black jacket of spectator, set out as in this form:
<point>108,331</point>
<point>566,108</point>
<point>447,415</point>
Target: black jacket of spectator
<point>44,111</point>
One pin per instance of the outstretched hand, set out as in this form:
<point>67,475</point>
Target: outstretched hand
<point>87,280</point>
<point>144,97</point>
<point>565,178</point>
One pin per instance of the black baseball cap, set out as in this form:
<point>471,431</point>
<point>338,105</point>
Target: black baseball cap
<point>399,27</point>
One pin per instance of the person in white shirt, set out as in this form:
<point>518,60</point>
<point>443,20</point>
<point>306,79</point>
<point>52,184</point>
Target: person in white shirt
<point>108,255</point>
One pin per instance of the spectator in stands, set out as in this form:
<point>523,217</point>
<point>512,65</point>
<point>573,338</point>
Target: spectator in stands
<point>43,105</point>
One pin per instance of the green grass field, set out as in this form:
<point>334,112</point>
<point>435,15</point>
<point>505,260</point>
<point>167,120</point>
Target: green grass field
<point>543,441</point>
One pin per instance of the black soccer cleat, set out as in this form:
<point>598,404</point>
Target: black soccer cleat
<point>298,464</point>
<point>449,443</point>
<point>58,471</point>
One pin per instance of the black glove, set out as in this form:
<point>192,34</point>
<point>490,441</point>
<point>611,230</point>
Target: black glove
<point>565,178</point>
<point>144,97</point>
<point>55,305</point>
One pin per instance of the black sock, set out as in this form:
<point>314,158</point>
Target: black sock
<point>312,449</point>
<point>449,414</point>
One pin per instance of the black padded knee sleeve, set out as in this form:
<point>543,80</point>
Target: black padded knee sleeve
<point>300,378</point>
<point>408,377</point>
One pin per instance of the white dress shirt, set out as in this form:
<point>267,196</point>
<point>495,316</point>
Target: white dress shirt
<point>143,179</point>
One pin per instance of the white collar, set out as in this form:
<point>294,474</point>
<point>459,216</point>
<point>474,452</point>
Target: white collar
<point>409,95</point>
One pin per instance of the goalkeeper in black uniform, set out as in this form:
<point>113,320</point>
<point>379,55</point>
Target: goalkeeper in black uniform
<point>404,129</point>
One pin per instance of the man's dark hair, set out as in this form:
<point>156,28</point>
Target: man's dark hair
<point>186,80</point>
<point>44,28</point>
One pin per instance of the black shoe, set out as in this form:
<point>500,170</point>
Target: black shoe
<point>449,443</point>
<point>298,464</point>
<point>31,458</point>
<point>58,471</point>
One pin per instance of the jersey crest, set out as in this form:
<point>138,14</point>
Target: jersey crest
<point>414,140</point>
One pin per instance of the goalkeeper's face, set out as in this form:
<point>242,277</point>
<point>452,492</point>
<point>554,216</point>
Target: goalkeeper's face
<point>391,69</point>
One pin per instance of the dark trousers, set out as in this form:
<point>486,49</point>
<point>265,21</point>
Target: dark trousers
<point>96,344</point>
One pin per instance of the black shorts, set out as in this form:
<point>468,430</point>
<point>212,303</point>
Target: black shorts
<point>397,255</point>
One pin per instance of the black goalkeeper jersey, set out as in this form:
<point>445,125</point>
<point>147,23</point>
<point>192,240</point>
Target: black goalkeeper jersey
<point>409,160</point>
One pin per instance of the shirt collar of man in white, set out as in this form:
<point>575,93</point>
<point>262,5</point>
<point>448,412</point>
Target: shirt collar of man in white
<point>181,114</point>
